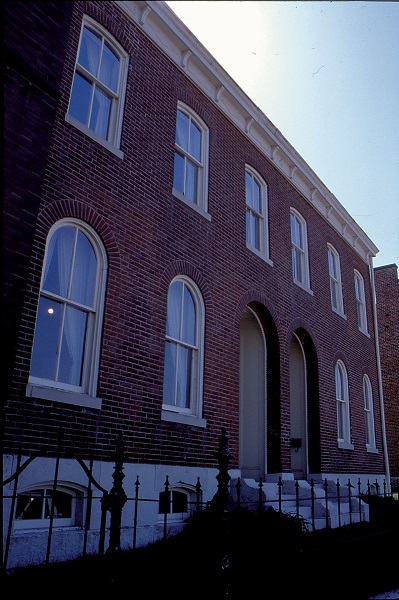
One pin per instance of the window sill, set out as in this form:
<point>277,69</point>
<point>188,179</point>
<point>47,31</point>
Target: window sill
<point>97,138</point>
<point>56,395</point>
<point>260,254</point>
<point>364,332</point>
<point>175,417</point>
<point>191,204</point>
<point>372,449</point>
<point>304,287</point>
<point>345,445</point>
<point>339,313</point>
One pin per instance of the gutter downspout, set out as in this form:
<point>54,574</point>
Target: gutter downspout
<point>380,389</point>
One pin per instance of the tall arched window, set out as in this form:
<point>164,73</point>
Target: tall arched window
<point>360,302</point>
<point>257,235</point>
<point>343,411</point>
<point>182,389</point>
<point>98,89</point>
<point>299,249</point>
<point>335,280</point>
<point>190,181</point>
<point>368,413</point>
<point>66,344</point>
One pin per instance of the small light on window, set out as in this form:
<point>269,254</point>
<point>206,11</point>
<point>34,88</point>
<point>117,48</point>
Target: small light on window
<point>50,311</point>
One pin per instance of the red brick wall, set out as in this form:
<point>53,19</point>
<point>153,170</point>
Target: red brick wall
<point>150,237</point>
<point>387,292</point>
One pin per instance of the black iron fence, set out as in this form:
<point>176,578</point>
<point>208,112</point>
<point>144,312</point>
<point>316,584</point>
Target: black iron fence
<point>227,498</point>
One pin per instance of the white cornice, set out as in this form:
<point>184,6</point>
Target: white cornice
<point>168,32</point>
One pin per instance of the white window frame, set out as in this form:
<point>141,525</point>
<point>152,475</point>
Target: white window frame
<point>360,302</point>
<point>299,252</point>
<point>193,414</point>
<point>113,140</point>
<point>261,216</point>
<point>369,414</point>
<point>85,394</point>
<point>179,517</point>
<point>77,508</point>
<point>343,407</point>
<point>334,269</point>
<point>201,203</point>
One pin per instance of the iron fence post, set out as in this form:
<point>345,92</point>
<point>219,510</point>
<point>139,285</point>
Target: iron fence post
<point>117,498</point>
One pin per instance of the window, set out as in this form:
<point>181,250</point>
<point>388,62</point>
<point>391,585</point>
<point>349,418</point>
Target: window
<point>256,213</point>
<point>35,506</point>
<point>335,280</point>
<point>98,89</point>
<point>182,390</point>
<point>174,503</point>
<point>360,302</point>
<point>342,398</point>
<point>299,245</point>
<point>368,413</point>
<point>191,158</point>
<point>66,343</point>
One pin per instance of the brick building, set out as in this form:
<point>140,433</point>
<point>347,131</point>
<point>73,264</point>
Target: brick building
<point>387,293</point>
<point>172,267</point>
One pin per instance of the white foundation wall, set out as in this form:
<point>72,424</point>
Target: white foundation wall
<point>29,546</point>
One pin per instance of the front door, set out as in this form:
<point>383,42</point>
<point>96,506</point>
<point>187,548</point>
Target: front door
<point>298,409</point>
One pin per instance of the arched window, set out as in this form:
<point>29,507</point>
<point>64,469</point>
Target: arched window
<point>182,389</point>
<point>360,302</point>
<point>257,235</point>
<point>335,280</point>
<point>36,505</point>
<point>368,413</point>
<point>98,89</point>
<point>66,346</point>
<point>190,181</point>
<point>343,411</point>
<point>299,248</point>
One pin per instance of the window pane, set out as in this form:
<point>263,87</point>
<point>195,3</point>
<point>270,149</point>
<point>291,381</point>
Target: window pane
<point>100,113</point>
<point>183,378</point>
<point>178,175</point>
<point>80,99</point>
<point>195,142</point>
<point>89,55</point>
<point>169,374</point>
<point>58,261</point>
<point>72,347</point>
<point>62,505</point>
<point>248,226</point>
<point>334,296</point>
<point>296,264</point>
<point>48,324</point>
<point>256,197</point>
<point>191,181</point>
<point>84,272</point>
<point>29,505</point>
<point>248,189</point>
<point>174,310</point>
<point>182,130</point>
<point>254,225</point>
<point>179,502</point>
<point>188,325</point>
<point>109,68</point>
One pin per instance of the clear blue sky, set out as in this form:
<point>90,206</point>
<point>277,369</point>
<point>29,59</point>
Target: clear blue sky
<point>327,75</point>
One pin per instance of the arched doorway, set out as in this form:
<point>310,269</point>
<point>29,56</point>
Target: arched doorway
<point>304,406</point>
<point>253,414</point>
<point>298,409</point>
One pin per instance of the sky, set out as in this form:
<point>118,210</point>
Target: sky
<point>326,74</point>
